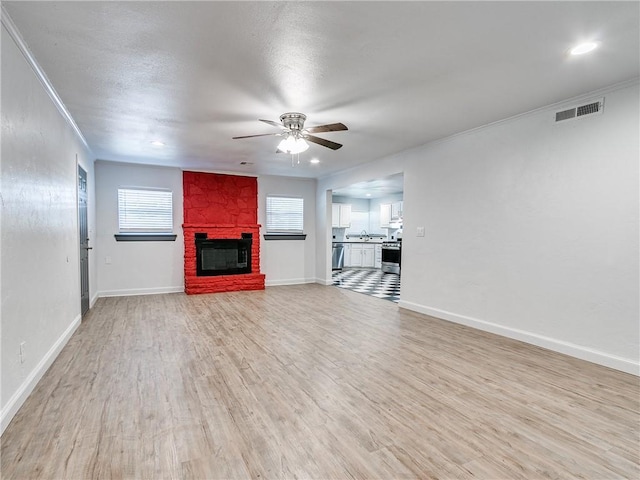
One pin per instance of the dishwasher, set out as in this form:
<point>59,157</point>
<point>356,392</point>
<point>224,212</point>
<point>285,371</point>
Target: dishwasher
<point>337,256</point>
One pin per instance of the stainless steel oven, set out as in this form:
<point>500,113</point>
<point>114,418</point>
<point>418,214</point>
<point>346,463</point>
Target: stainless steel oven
<point>391,257</point>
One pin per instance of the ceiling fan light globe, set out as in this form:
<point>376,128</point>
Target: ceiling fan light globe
<point>293,145</point>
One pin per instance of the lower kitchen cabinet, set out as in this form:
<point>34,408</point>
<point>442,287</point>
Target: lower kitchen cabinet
<point>355,255</point>
<point>368,256</point>
<point>347,254</point>
<point>360,255</point>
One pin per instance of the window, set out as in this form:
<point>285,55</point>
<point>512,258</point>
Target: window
<point>145,212</point>
<point>285,216</point>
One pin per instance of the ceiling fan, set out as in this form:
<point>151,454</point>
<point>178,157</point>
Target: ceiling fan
<point>296,136</point>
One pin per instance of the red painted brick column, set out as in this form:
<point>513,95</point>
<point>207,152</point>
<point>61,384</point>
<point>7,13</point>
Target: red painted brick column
<point>222,206</point>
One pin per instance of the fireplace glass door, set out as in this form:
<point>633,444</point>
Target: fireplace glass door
<point>223,256</point>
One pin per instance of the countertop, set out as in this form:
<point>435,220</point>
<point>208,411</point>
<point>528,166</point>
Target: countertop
<point>373,241</point>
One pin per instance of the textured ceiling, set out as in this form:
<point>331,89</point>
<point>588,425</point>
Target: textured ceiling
<point>398,74</point>
<point>377,188</point>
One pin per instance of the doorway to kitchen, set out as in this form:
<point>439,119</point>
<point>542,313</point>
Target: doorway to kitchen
<point>367,236</point>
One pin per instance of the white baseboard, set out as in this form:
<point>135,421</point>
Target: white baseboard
<point>577,351</point>
<point>93,300</point>
<point>141,291</point>
<point>323,281</point>
<point>289,281</point>
<point>19,397</point>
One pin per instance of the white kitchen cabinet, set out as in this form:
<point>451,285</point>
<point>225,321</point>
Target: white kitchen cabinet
<point>385,215</point>
<point>355,256</point>
<point>368,256</point>
<point>390,213</point>
<point>347,254</point>
<point>377,261</point>
<point>362,255</point>
<point>396,210</point>
<point>335,215</point>
<point>340,215</point>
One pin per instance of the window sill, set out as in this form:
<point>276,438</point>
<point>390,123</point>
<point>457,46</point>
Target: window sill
<point>285,236</point>
<point>145,237</point>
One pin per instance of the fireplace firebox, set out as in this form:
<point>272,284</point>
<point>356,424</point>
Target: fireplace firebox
<point>223,256</point>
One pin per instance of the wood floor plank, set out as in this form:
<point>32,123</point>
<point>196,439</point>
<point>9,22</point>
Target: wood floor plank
<point>314,382</point>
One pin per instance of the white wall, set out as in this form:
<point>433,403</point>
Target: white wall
<point>286,262</point>
<point>532,229</point>
<point>158,267</point>
<point>137,267</point>
<point>39,253</point>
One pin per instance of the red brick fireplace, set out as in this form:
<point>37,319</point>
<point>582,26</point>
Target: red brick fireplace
<point>222,207</point>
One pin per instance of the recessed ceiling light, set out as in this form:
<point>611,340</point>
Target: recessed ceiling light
<point>314,160</point>
<point>157,143</point>
<point>368,194</point>
<point>583,48</point>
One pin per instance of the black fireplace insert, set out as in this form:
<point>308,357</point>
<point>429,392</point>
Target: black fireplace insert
<point>223,256</point>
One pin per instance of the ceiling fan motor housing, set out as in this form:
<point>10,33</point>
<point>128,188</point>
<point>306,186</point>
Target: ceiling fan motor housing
<point>293,121</point>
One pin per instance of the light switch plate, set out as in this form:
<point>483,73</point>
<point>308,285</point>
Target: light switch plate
<point>420,232</point>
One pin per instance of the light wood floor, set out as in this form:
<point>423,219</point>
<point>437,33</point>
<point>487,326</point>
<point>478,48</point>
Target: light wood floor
<point>314,382</point>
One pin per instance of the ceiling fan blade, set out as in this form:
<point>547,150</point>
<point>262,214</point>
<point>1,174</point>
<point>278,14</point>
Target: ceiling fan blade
<point>323,142</point>
<point>261,135</point>
<point>332,127</point>
<point>271,122</point>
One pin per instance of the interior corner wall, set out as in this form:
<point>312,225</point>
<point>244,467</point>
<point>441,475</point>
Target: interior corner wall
<point>39,253</point>
<point>531,229</point>
<point>286,262</point>
<point>136,268</point>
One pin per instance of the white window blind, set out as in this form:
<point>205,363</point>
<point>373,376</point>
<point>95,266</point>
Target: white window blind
<point>285,214</point>
<point>141,210</point>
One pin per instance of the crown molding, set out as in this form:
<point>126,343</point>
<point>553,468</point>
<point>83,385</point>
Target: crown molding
<point>398,166</point>
<point>13,31</point>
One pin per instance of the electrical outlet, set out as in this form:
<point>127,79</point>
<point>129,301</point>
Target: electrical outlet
<point>420,232</point>
<point>22,351</point>
<point>107,260</point>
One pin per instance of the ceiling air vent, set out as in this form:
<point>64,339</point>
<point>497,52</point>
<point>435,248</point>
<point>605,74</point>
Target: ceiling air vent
<point>580,111</point>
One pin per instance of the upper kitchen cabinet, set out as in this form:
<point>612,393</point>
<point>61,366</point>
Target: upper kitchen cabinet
<point>396,210</point>
<point>340,215</point>
<point>390,213</point>
<point>385,215</point>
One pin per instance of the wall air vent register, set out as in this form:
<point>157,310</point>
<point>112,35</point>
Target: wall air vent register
<point>580,111</point>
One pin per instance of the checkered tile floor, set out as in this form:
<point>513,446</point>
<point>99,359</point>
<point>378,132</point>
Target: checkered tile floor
<point>369,281</point>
